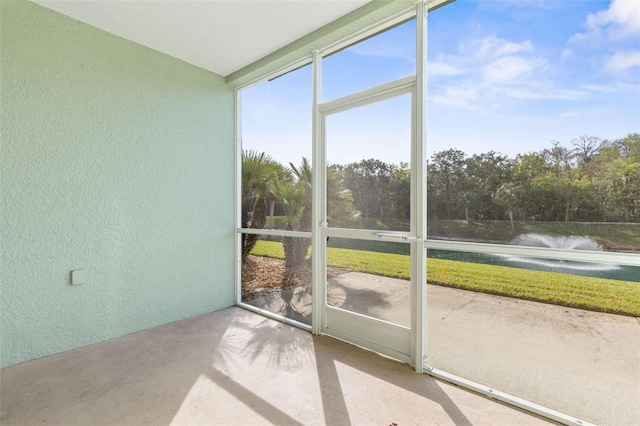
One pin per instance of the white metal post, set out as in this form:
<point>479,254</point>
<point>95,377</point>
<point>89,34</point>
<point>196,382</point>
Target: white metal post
<point>419,273</point>
<point>238,196</point>
<point>318,247</point>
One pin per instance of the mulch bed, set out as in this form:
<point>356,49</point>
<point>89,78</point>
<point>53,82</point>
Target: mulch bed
<point>264,274</point>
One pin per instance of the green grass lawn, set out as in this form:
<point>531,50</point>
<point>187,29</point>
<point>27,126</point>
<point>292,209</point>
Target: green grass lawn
<point>595,294</point>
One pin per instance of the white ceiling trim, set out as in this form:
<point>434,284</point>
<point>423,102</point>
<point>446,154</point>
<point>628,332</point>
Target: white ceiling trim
<point>222,36</point>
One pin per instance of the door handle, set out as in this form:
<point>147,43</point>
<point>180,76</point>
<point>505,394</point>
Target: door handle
<point>398,236</point>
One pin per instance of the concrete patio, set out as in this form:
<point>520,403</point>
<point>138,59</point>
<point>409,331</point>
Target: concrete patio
<point>238,368</point>
<point>581,363</point>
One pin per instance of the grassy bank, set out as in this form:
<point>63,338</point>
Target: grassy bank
<point>613,236</point>
<point>623,237</point>
<point>595,294</point>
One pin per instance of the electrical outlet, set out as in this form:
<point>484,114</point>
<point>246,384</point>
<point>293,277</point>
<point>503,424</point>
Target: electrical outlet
<point>78,276</point>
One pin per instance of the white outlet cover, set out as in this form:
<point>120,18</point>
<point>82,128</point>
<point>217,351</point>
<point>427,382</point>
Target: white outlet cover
<point>78,276</point>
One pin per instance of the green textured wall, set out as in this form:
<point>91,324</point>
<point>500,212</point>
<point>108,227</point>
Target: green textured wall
<point>115,159</point>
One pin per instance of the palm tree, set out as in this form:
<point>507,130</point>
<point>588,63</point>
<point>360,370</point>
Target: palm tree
<point>258,170</point>
<point>303,175</point>
<point>294,197</point>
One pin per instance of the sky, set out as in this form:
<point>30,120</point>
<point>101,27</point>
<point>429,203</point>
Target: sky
<point>504,76</point>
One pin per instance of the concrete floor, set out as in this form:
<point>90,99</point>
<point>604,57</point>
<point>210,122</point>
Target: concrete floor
<point>237,368</point>
<point>581,363</point>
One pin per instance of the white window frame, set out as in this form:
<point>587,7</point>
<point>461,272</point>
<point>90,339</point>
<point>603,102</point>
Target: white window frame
<point>419,340</point>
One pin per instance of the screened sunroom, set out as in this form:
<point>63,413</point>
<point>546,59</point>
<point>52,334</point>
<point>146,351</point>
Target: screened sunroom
<point>320,212</point>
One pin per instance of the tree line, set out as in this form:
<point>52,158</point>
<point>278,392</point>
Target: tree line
<point>593,180</point>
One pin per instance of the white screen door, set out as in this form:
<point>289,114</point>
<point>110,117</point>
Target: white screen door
<point>368,141</point>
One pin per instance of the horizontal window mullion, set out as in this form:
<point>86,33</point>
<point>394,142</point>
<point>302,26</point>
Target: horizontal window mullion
<point>368,96</point>
<point>274,232</point>
<point>368,234</point>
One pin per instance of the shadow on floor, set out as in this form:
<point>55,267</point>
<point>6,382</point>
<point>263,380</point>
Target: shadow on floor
<point>233,367</point>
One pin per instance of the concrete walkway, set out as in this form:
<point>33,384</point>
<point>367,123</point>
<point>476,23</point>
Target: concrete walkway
<point>582,363</point>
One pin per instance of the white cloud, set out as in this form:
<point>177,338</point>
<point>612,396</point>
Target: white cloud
<point>383,49</point>
<point>503,61</point>
<point>495,47</point>
<point>622,18</point>
<point>460,96</point>
<point>566,53</point>
<point>486,72</point>
<point>443,68</point>
<point>613,88</point>
<point>509,68</point>
<point>541,92</point>
<point>622,61</point>
<point>578,38</point>
<point>599,88</point>
<point>620,21</point>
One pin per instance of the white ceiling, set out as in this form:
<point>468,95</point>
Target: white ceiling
<point>218,35</point>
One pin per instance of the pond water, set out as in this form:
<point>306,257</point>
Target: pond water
<point>587,269</point>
